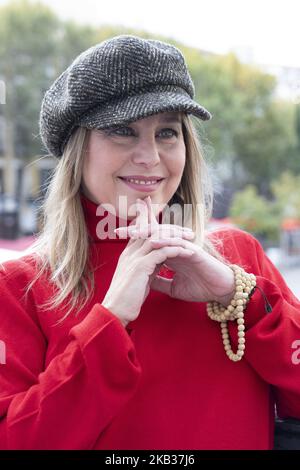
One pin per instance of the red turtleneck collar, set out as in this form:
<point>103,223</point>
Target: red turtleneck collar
<point>95,227</point>
<point>93,222</point>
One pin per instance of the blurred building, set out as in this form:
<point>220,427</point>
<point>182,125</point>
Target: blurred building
<point>19,212</point>
<point>290,241</point>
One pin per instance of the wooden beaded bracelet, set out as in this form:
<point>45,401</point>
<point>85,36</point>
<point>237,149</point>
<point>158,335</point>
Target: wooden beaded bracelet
<point>244,285</point>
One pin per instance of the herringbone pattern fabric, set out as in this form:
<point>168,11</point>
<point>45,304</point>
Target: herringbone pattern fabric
<point>118,81</point>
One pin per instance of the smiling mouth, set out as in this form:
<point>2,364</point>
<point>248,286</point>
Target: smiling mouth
<point>147,186</point>
<point>131,180</point>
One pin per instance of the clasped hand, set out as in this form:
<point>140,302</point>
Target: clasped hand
<point>199,277</point>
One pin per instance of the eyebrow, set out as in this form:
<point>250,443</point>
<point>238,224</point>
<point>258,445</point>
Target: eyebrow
<point>171,119</point>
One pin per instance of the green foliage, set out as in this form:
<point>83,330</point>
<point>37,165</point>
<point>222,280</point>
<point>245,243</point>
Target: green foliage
<point>286,191</point>
<point>27,44</point>
<point>264,145</point>
<point>253,134</point>
<point>255,214</point>
<point>35,47</point>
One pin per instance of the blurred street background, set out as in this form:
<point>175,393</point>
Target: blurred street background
<point>244,60</point>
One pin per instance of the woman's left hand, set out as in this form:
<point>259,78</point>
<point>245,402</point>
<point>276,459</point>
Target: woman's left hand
<point>197,278</point>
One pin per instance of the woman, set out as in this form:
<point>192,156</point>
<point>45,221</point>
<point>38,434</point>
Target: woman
<point>116,343</point>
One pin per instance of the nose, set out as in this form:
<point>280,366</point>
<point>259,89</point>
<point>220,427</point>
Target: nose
<point>146,152</point>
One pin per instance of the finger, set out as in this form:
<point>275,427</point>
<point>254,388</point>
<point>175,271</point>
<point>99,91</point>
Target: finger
<point>164,233</point>
<point>178,237</point>
<point>179,227</point>
<point>152,219</point>
<point>162,254</point>
<point>167,235</point>
<point>166,229</point>
<point>142,217</point>
<point>159,231</point>
<point>161,284</point>
<point>150,247</point>
<point>172,233</point>
<point>165,226</point>
<point>132,231</point>
<point>155,272</point>
<point>133,245</point>
<point>176,241</point>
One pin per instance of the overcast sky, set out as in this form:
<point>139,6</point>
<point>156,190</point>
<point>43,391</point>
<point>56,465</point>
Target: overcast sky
<point>266,30</point>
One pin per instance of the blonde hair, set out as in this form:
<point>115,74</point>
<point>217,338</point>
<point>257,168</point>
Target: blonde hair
<point>62,247</point>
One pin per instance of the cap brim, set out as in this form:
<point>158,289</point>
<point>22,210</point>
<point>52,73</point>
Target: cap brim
<point>140,106</point>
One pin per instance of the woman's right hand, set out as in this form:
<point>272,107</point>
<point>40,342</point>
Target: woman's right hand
<point>137,266</point>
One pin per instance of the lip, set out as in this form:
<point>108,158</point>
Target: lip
<point>141,177</point>
<point>142,188</point>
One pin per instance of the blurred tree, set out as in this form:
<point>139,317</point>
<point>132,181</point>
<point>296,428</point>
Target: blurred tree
<point>294,161</point>
<point>35,47</point>
<point>287,195</point>
<point>25,60</point>
<point>297,125</point>
<point>24,64</point>
<point>255,214</point>
<point>252,134</point>
<point>73,39</point>
<point>265,145</point>
<point>263,217</point>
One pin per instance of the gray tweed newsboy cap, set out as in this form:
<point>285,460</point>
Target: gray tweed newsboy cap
<point>115,82</point>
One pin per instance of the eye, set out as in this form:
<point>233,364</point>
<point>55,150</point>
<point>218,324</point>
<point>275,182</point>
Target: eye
<point>121,131</point>
<point>169,133</point>
<point>128,132</point>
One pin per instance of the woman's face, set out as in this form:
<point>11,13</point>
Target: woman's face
<point>152,147</point>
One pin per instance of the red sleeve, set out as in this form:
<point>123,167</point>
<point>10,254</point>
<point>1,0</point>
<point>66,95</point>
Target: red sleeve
<point>272,338</point>
<point>67,405</point>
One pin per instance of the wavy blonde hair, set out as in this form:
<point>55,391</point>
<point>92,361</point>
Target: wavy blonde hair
<point>62,246</point>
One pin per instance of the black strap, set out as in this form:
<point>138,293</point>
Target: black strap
<point>268,307</point>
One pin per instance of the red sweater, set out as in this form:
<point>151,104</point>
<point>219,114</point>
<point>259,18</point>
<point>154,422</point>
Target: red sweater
<point>164,382</point>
